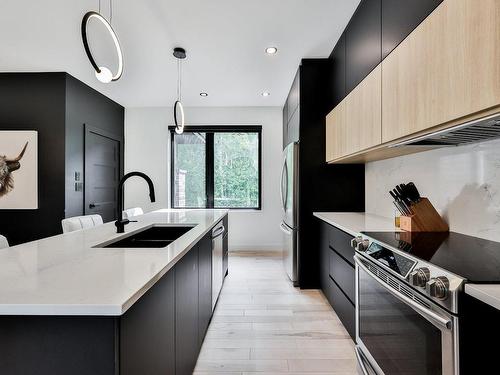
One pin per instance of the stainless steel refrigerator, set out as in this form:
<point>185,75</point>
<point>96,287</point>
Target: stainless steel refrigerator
<point>289,201</point>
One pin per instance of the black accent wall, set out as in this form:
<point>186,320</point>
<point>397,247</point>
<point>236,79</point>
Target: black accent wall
<point>84,105</point>
<point>56,105</point>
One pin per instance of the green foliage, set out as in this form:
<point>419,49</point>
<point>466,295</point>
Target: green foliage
<point>236,170</point>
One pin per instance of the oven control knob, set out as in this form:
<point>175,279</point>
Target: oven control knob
<point>420,276</point>
<point>438,287</point>
<point>355,241</point>
<point>363,245</point>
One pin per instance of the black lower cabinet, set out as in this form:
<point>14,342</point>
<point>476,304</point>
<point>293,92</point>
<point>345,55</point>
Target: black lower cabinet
<point>58,345</point>
<point>344,308</point>
<point>205,286</point>
<point>337,273</point>
<point>147,332</point>
<point>186,313</point>
<point>161,333</point>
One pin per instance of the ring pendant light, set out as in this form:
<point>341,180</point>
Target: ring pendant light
<point>102,73</point>
<point>179,54</point>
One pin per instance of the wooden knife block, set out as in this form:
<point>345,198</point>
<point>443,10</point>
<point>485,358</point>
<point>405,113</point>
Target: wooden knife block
<point>425,218</point>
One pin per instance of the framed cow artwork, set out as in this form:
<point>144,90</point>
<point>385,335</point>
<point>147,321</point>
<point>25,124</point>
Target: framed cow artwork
<point>18,170</point>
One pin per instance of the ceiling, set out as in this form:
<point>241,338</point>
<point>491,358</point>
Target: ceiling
<point>225,42</point>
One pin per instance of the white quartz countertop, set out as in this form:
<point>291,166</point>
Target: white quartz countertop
<point>356,222</point>
<point>68,275</point>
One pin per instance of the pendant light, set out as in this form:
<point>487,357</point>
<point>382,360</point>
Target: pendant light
<point>179,54</point>
<point>102,73</point>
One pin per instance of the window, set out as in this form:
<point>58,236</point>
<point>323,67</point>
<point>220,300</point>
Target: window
<point>216,167</point>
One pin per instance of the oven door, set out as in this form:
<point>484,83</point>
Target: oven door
<point>398,331</point>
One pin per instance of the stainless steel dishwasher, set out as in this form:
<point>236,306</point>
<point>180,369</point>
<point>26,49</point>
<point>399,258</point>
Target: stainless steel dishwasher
<point>217,261</point>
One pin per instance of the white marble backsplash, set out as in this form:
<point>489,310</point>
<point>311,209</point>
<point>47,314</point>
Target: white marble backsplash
<point>463,183</point>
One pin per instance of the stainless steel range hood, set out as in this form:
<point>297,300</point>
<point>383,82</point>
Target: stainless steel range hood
<point>479,130</point>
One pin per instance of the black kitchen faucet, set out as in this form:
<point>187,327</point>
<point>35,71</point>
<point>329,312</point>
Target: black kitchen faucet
<point>121,222</point>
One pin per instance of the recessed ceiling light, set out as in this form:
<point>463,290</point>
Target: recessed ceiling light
<point>204,94</point>
<point>271,50</point>
<point>265,93</point>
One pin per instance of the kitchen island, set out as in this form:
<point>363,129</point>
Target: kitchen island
<point>69,305</point>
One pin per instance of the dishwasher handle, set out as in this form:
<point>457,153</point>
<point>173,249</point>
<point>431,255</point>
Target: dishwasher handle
<point>218,232</point>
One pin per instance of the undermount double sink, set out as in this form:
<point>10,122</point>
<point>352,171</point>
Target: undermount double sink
<point>156,236</point>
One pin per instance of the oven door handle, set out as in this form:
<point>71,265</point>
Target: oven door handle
<point>361,361</point>
<point>426,313</point>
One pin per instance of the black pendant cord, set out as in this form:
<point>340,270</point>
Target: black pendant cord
<point>179,80</point>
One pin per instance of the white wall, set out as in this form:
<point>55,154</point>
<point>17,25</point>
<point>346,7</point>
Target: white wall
<point>147,149</point>
<point>463,183</point>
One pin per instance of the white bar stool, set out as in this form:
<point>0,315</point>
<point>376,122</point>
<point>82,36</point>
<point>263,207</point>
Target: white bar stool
<point>131,212</point>
<point>80,222</point>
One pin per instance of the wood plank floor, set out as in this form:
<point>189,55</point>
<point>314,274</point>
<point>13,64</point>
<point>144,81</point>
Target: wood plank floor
<point>263,325</point>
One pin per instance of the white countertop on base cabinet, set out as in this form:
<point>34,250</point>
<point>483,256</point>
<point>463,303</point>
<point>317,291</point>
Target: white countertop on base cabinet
<point>68,275</point>
<point>356,222</point>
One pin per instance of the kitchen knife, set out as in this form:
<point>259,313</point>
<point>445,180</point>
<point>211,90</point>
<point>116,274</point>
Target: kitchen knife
<point>404,208</point>
<point>412,192</point>
<point>401,189</point>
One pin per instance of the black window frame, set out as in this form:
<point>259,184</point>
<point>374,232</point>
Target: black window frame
<point>209,162</point>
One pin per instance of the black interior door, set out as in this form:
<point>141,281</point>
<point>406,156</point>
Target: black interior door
<point>102,173</point>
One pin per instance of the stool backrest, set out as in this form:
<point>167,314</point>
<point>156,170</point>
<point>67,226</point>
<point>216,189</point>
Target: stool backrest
<point>80,222</point>
<point>3,242</point>
<point>131,212</point>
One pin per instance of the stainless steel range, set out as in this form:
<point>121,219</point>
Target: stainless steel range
<point>406,306</point>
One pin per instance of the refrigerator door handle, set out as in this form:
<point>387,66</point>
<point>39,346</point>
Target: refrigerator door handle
<point>284,183</point>
<point>285,229</point>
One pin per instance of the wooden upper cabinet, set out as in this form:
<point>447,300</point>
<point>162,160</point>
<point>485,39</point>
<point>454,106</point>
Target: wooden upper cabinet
<point>355,124</point>
<point>336,133</point>
<point>446,69</point>
<point>363,113</point>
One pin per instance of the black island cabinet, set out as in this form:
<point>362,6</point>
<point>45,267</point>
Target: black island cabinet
<point>161,333</point>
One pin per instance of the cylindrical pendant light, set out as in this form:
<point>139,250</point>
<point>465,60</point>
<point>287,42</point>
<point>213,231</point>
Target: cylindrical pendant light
<point>179,54</point>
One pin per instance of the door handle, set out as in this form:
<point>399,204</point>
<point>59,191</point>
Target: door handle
<point>93,205</point>
<point>428,314</point>
<point>285,229</point>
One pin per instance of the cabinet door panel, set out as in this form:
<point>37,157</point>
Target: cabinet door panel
<point>293,126</point>
<point>147,335</point>
<point>293,96</point>
<point>205,285</point>
<point>356,123</point>
<point>363,114</point>
<point>363,42</point>
<point>343,274</point>
<point>400,18</point>
<point>338,71</point>
<point>186,313</point>
<point>446,69</point>
<point>336,133</point>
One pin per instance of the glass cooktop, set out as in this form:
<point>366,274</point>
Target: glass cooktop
<point>473,258</point>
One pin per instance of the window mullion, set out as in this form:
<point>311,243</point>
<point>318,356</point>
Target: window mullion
<point>210,170</point>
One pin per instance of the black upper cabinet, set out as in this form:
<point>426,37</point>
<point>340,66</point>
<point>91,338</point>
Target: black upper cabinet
<point>338,71</point>
<point>363,42</point>
<point>400,18</point>
<point>285,124</point>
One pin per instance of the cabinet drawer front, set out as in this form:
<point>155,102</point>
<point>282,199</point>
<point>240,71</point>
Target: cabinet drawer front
<point>344,309</point>
<point>343,274</point>
<point>341,243</point>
